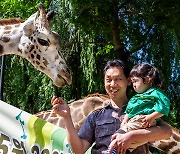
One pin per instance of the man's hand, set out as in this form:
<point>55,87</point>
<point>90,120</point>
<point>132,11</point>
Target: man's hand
<point>148,121</point>
<point>121,142</point>
<point>60,107</point>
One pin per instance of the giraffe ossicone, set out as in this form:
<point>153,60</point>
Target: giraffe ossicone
<point>34,41</point>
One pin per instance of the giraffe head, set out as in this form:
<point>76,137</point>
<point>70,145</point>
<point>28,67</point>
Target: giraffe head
<point>39,45</point>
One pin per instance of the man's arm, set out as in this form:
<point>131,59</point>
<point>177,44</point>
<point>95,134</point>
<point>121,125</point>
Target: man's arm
<point>123,141</point>
<point>152,133</point>
<point>78,145</point>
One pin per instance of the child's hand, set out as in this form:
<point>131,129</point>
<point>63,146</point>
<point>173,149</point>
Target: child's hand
<point>125,120</point>
<point>60,107</point>
<point>147,120</point>
<point>122,124</point>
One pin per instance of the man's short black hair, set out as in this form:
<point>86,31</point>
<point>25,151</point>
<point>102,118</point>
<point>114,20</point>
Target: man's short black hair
<point>117,63</point>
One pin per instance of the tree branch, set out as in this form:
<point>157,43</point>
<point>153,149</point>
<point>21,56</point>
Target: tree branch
<point>142,43</point>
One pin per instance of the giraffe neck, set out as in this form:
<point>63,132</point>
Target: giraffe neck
<point>79,109</point>
<point>10,36</point>
<point>171,145</point>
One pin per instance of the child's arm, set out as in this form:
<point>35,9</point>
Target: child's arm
<point>125,120</point>
<point>149,119</point>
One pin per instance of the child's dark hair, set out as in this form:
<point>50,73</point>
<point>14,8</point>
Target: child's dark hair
<point>146,70</point>
<point>117,63</point>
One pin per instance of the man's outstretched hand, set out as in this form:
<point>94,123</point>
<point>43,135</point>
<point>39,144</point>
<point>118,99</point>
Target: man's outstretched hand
<point>60,107</point>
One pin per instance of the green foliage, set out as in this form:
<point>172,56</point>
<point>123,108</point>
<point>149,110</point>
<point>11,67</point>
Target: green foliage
<point>25,87</point>
<point>20,8</point>
<point>93,32</point>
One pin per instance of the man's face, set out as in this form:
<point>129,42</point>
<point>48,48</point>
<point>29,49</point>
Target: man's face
<point>139,85</point>
<point>115,83</point>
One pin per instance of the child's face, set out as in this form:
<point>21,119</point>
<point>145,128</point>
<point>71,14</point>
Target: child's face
<point>139,85</point>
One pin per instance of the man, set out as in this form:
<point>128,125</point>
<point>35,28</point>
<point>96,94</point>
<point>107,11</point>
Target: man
<point>103,123</point>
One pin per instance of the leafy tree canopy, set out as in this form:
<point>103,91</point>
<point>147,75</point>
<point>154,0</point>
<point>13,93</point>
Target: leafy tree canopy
<point>93,32</point>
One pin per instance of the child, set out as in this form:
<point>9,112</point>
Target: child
<point>144,109</point>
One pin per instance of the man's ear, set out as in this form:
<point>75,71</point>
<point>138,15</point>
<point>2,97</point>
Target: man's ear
<point>129,81</point>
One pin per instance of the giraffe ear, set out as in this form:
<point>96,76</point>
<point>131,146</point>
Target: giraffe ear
<point>49,16</point>
<point>29,25</point>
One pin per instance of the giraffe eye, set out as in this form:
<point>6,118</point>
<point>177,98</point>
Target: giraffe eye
<point>43,42</point>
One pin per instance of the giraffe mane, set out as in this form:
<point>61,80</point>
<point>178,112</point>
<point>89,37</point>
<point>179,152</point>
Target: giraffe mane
<point>98,95</point>
<point>10,21</point>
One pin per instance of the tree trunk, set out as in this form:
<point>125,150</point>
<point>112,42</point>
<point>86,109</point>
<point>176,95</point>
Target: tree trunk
<point>119,47</point>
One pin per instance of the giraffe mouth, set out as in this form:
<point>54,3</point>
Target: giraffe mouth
<point>65,82</point>
<point>62,81</point>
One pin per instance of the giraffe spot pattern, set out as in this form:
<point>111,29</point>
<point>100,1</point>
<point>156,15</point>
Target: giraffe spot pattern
<point>7,32</point>
<point>5,39</point>
<point>12,45</point>
<point>32,56</point>
<point>37,62</point>
<point>166,146</point>
<point>59,76</point>
<point>38,56</point>
<point>42,68</point>
<point>7,27</point>
<point>176,137</point>
<point>1,49</point>
<point>31,38</point>
<point>176,151</point>
<point>32,47</point>
<point>17,25</point>
<point>45,62</point>
<point>19,50</point>
<point>57,57</point>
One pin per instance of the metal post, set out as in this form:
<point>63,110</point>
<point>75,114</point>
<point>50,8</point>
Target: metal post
<point>2,77</point>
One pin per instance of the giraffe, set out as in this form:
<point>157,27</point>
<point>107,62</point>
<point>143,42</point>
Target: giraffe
<point>34,41</point>
<point>80,109</point>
